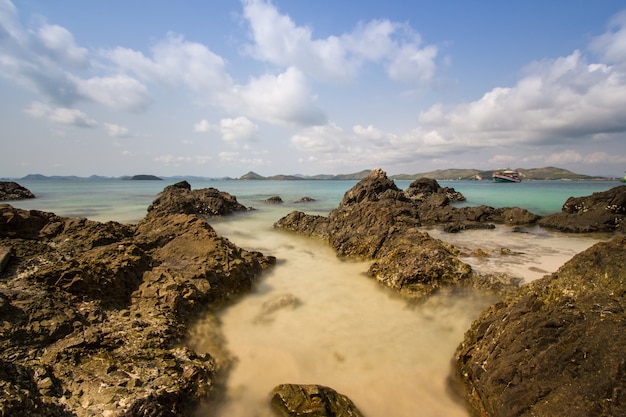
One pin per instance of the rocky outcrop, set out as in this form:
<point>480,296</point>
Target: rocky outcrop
<point>292,400</point>
<point>92,315</point>
<point>557,347</point>
<point>422,188</point>
<point>599,212</point>
<point>376,220</point>
<point>179,198</point>
<point>10,190</point>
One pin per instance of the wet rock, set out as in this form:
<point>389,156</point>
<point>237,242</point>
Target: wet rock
<point>93,314</point>
<point>556,347</point>
<point>376,220</point>
<point>179,198</point>
<point>599,212</point>
<point>10,190</point>
<point>306,224</point>
<point>291,400</point>
<point>305,200</point>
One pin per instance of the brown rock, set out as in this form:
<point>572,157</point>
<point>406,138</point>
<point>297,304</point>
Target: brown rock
<point>10,190</point>
<point>93,314</point>
<point>292,400</point>
<point>599,212</point>
<point>557,347</point>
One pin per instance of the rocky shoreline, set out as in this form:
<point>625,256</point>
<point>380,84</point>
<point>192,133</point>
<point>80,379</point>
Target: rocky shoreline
<point>94,315</point>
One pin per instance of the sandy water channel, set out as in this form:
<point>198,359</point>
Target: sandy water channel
<point>336,327</point>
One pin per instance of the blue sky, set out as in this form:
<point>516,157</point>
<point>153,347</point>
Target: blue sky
<point>221,88</point>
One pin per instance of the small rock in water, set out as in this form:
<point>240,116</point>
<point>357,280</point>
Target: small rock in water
<point>279,302</point>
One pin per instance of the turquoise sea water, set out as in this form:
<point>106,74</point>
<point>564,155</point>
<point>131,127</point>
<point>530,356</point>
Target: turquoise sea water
<point>126,201</point>
<point>346,331</point>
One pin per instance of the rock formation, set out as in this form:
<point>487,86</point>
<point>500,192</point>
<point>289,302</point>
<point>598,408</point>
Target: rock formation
<point>599,212</point>
<point>291,400</point>
<point>376,220</point>
<point>179,198</point>
<point>10,190</point>
<point>557,347</point>
<point>92,315</point>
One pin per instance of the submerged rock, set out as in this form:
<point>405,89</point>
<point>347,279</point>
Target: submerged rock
<point>10,190</point>
<point>599,212</point>
<point>557,347</point>
<point>92,315</point>
<point>293,400</point>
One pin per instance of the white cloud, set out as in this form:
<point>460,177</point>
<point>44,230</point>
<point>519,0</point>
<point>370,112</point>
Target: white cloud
<point>339,58</point>
<point>177,161</point>
<point>238,129</point>
<point>563,158</point>
<point>563,100</point>
<point>612,44</point>
<point>326,139</point>
<point>61,115</point>
<point>118,92</point>
<point>116,131</point>
<point>202,126</point>
<point>59,44</point>
<point>175,61</point>
<point>281,99</point>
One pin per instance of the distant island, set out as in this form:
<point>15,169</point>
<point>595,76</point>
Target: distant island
<point>144,177</point>
<point>453,174</point>
<point>546,173</point>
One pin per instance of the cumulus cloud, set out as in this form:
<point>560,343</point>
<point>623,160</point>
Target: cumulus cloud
<point>281,99</point>
<point>117,92</point>
<point>238,129</point>
<point>61,115</point>
<point>174,61</point>
<point>612,44</point>
<point>566,99</point>
<point>48,60</point>
<point>59,44</point>
<point>339,58</point>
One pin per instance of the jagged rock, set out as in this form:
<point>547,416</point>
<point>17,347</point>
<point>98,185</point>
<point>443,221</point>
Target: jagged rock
<point>10,190</point>
<point>179,198</point>
<point>557,347</point>
<point>376,220</point>
<point>423,188</point>
<point>93,314</point>
<point>310,225</point>
<point>599,212</point>
<point>292,400</point>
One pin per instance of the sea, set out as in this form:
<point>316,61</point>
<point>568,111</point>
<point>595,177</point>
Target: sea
<point>340,329</point>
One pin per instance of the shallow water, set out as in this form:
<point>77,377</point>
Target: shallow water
<point>348,332</point>
<point>344,330</point>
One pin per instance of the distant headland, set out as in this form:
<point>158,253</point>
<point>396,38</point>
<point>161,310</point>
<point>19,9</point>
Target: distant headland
<point>458,174</point>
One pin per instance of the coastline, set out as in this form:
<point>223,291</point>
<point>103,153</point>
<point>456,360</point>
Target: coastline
<point>259,239</point>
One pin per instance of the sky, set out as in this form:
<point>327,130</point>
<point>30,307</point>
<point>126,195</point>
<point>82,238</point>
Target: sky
<point>221,88</point>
